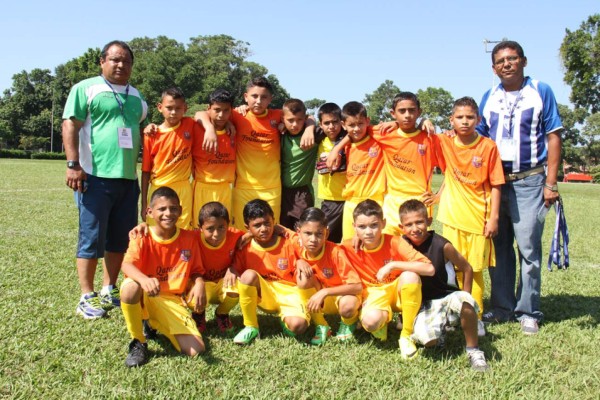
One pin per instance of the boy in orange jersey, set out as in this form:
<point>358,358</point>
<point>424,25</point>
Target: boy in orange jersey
<point>389,268</point>
<point>214,172</point>
<point>266,269</point>
<point>364,174</point>
<point>331,285</point>
<point>167,154</point>
<point>470,197</point>
<point>217,247</point>
<point>158,268</point>
<point>297,165</point>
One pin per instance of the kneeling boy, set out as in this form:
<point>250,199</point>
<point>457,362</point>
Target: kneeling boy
<point>157,268</point>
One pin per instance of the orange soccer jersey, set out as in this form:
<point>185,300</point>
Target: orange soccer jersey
<point>275,263</point>
<point>214,167</point>
<point>216,260</point>
<point>168,154</point>
<point>170,261</point>
<point>332,267</point>
<point>368,262</point>
<point>258,150</point>
<point>364,174</point>
<point>409,159</point>
<point>470,171</point>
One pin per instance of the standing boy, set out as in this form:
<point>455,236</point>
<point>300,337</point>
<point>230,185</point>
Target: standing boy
<point>443,303</point>
<point>389,268</point>
<point>167,158</point>
<point>297,165</point>
<point>158,268</point>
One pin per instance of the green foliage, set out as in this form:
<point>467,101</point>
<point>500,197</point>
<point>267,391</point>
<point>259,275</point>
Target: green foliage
<point>591,133</point>
<point>312,105</point>
<point>572,140</point>
<point>379,103</point>
<point>48,156</point>
<point>11,153</point>
<point>436,106</point>
<point>580,53</point>
<point>33,142</point>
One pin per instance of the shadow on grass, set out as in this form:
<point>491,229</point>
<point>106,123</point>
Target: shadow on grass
<point>563,307</point>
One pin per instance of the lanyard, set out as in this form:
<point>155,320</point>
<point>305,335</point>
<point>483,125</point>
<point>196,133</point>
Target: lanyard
<point>560,229</point>
<point>119,102</point>
<point>511,111</point>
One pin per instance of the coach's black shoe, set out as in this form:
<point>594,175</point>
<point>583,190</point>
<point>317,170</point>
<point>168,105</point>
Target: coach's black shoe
<point>138,354</point>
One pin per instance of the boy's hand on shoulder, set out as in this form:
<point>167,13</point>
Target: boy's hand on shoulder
<point>151,130</point>
<point>150,286</point>
<point>307,141</point>
<point>139,231</point>
<point>243,109</point>
<point>427,126</point>
<point>209,143</point>
<point>387,127</point>
<point>243,241</point>
<point>316,301</point>
<point>491,228</point>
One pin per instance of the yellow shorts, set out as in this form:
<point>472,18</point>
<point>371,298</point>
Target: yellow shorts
<point>348,219</point>
<point>281,298</point>
<point>243,196</point>
<point>207,192</point>
<point>184,191</point>
<point>391,212</point>
<point>215,293</point>
<point>331,305</point>
<point>477,249</point>
<point>382,298</point>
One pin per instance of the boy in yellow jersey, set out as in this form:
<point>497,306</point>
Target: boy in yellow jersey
<point>266,268</point>
<point>331,285</point>
<point>390,270</point>
<point>470,195</point>
<point>331,183</point>
<point>158,268</point>
<point>443,303</point>
<point>214,172</point>
<point>297,165</point>
<point>167,154</point>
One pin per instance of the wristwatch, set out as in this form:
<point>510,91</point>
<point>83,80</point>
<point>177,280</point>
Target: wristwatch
<point>553,188</point>
<point>71,164</point>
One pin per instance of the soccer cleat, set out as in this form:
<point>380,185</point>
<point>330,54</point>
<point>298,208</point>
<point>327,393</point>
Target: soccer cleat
<point>480,329</point>
<point>149,332</point>
<point>322,332</point>
<point>477,360</point>
<point>111,299</point>
<point>89,306</point>
<point>345,331</point>
<point>529,326</point>
<point>246,335</point>
<point>224,324</point>
<point>200,320</point>
<point>138,354</point>
<point>381,333</point>
<point>286,330</point>
<point>408,349</point>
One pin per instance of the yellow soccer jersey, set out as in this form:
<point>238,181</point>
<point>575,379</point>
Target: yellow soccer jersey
<point>330,186</point>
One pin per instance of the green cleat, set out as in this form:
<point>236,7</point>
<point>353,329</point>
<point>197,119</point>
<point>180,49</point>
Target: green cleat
<point>345,332</point>
<point>381,333</point>
<point>322,332</point>
<point>286,330</point>
<point>246,335</point>
<point>408,349</point>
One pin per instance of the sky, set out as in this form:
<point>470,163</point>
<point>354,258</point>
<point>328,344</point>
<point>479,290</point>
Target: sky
<point>337,50</point>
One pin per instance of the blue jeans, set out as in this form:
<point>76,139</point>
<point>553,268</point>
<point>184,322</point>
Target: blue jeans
<point>521,218</point>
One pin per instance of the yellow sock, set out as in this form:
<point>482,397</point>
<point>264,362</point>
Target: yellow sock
<point>477,291</point>
<point>410,298</point>
<point>248,304</point>
<point>132,313</point>
<point>317,318</point>
<point>227,304</point>
<point>351,320</point>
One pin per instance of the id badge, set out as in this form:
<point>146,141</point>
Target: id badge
<point>125,138</point>
<point>508,149</point>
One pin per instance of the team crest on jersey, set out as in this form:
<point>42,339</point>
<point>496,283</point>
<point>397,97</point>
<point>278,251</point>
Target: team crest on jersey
<point>185,255</point>
<point>422,149</point>
<point>274,123</point>
<point>373,151</point>
<point>477,161</point>
<point>282,263</point>
<point>328,272</point>
<point>187,135</point>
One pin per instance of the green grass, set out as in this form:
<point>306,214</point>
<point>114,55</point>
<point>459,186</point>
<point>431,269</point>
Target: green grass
<point>46,351</point>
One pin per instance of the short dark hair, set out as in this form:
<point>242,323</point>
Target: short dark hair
<point>118,43</point>
<point>164,191</point>
<point>257,208</point>
<point>330,108</point>
<point>213,209</point>
<point>260,81</point>
<point>220,96</point>
<point>466,102</point>
<point>353,109</point>
<point>294,106</point>
<point>368,208</point>
<point>174,92</point>
<point>312,214</point>
<point>507,44</point>
<point>412,205</point>
<point>405,96</point>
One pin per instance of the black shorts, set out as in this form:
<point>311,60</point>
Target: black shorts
<point>334,210</point>
<point>293,203</point>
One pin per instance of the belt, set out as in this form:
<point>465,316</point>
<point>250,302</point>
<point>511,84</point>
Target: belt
<point>520,175</point>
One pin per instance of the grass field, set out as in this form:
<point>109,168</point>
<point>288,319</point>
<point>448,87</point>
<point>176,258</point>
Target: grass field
<point>46,351</point>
